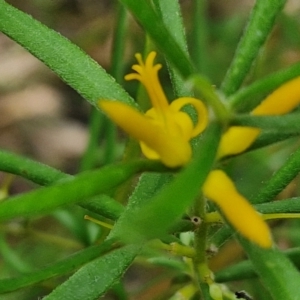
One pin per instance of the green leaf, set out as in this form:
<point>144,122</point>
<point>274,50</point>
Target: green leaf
<point>247,98</point>
<point>154,218</point>
<point>29,169</point>
<point>56,269</point>
<point>45,175</point>
<point>291,205</point>
<point>62,56</point>
<point>169,11</point>
<point>260,24</point>
<point>275,271</point>
<point>271,137</point>
<point>96,277</point>
<point>160,35</point>
<point>284,124</point>
<point>244,270</point>
<point>280,179</point>
<point>72,190</point>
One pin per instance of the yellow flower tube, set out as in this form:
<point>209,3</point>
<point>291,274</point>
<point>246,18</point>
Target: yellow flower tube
<point>219,188</point>
<point>283,100</point>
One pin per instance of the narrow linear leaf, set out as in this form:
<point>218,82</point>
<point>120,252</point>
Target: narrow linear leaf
<point>29,169</point>
<point>72,190</point>
<point>271,137</point>
<point>169,11</point>
<point>96,277</point>
<point>66,59</point>
<point>57,269</point>
<point>244,270</point>
<point>245,99</point>
<point>45,175</point>
<point>260,24</point>
<point>285,124</point>
<point>155,27</point>
<point>275,271</point>
<point>291,205</point>
<point>280,179</point>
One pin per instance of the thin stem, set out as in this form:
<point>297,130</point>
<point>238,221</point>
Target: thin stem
<point>203,274</point>
<point>101,223</point>
<point>280,216</point>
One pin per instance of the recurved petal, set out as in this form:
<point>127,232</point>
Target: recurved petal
<point>220,189</point>
<point>200,108</point>
<point>173,152</point>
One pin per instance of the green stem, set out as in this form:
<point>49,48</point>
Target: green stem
<point>259,26</point>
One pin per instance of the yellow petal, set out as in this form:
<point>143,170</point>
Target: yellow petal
<point>236,140</point>
<point>172,151</point>
<point>200,108</point>
<point>175,123</point>
<point>147,74</point>
<point>238,211</point>
<point>282,100</point>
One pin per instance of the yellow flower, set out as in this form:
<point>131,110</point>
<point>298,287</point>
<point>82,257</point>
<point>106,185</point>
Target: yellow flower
<point>283,100</point>
<point>164,131</point>
<point>219,188</point>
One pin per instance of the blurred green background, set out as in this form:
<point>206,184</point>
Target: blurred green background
<point>44,119</point>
